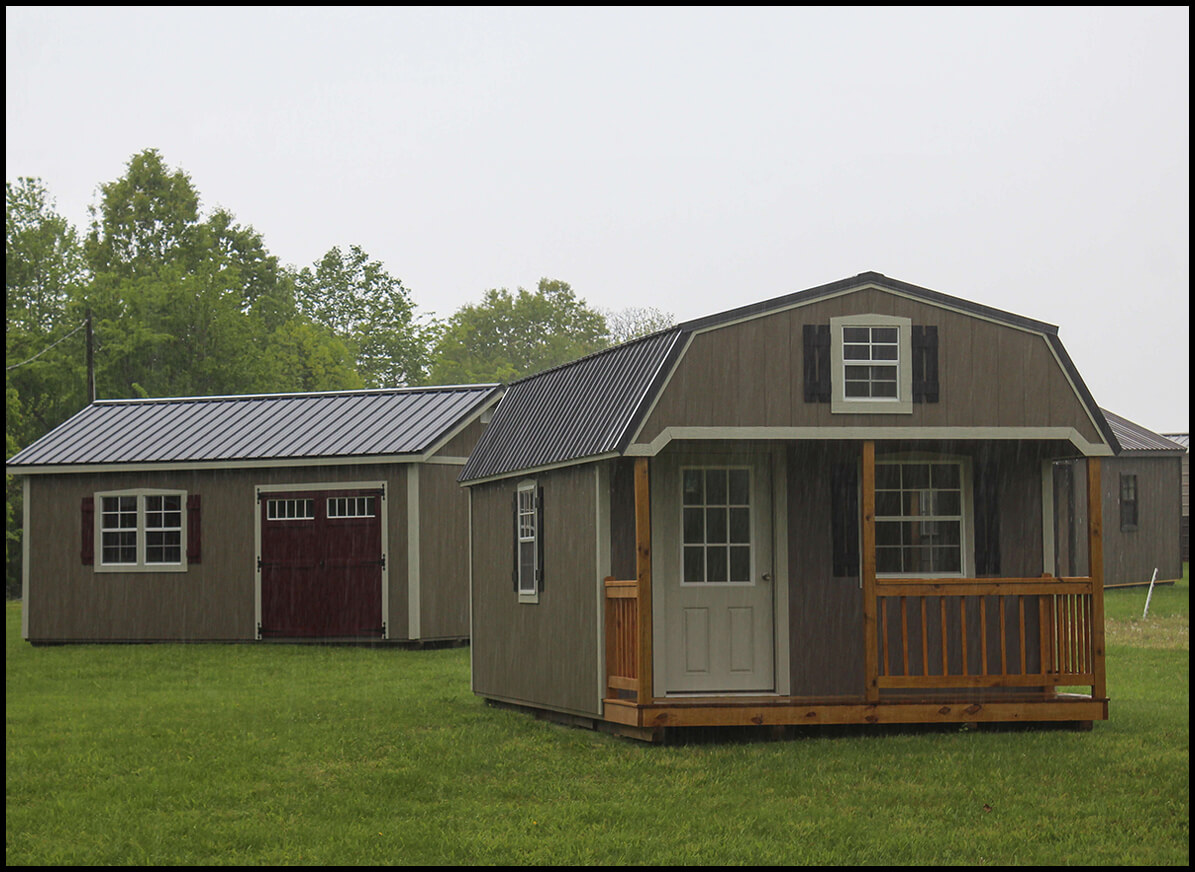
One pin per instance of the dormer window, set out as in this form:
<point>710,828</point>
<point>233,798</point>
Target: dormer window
<point>871,370</point>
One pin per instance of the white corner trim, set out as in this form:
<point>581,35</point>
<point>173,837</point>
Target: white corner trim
<point>25,558</point>
<point>601,479</point>
<point>413,601</point>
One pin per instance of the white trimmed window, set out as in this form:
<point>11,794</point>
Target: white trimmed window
<point>290,509</point>
<point>527,531</point>
<point>871,360</point>
<point>920,517</point>
<point>141,530</point>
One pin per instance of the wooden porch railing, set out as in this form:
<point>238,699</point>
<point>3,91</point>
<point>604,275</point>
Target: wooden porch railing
<point>622,636</point>
<point>1016,632</point>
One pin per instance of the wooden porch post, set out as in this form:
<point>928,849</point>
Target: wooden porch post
<point>868,571</point>
<point>1095,563</point>
<point>643,576</point>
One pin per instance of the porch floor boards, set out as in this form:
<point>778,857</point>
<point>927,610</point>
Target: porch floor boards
<point>789,711</point>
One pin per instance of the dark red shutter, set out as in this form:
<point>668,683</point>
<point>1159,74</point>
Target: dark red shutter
<point>87,542</point>
<point>194,528</point>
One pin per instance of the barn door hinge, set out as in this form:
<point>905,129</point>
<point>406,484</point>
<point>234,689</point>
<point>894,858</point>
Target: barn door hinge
<point>383,561</point>
<point>259,563</point>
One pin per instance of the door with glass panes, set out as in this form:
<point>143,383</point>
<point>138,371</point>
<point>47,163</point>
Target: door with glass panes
<point>712,532</point>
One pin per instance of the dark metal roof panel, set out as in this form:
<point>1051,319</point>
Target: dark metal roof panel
<point>1135,439</point>
<point>581,409</point>
<point>273,426</point>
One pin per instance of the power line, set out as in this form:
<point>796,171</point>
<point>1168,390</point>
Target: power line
<point>47,348</point>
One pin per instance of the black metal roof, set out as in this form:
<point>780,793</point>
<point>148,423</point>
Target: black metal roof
<point>1135,439</point>
<point>592,406</point>
<point>580,409</point>
<point>400,421</point>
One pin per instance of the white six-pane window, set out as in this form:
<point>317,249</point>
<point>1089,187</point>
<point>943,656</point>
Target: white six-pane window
<point>527,541</point>
<point>871,357</point>
<point>919,517</point>
<point>141,530</point>
<point>871,362</point>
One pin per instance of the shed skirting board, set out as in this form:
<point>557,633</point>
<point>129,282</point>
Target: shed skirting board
<point>790,712</point>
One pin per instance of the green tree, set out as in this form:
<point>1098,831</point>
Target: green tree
<point>189,305</point>
<point>507,336</point>
<point>370,310</point>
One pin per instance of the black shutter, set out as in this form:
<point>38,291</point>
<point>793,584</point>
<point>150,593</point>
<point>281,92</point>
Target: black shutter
<point>514,572</point>
<point>87,543</point>
<point>925,364</point>
<point>816,355</point>
<point>987,520</point>
<point>844,519</point>
<point>539,537</point>
<point>193,529</point>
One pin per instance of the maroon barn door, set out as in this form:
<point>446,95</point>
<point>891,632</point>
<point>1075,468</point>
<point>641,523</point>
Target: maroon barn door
<point>321,563</point>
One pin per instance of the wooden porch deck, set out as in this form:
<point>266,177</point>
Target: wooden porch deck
<point>936,650</point>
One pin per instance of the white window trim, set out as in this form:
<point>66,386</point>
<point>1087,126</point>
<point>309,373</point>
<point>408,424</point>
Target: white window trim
<point>967,531</point>
<point>140,566</point>
<point>902,403</point>
<point>528,596</point>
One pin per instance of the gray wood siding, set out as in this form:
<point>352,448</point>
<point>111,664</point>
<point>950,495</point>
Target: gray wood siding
<point>444,554</point>
<point>212,600</point>
<point>462,444</point>
<point>543,654</point>
<point>751,374</point>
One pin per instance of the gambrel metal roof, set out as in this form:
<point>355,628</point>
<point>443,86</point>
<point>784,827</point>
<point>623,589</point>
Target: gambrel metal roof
<point>344,424</point>
<point>581,409</point>
<point>592,407</point>
<point>1135,439</point>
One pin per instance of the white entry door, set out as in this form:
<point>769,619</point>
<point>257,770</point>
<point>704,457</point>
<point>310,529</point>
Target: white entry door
<point>712,536</point>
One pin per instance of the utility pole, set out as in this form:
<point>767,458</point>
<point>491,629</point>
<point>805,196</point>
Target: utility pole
<point>90,359</point>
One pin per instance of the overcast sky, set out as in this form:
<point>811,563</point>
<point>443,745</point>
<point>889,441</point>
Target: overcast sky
<point>1035,160</point>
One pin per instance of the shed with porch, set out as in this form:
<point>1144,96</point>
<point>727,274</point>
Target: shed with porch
<point>328,516</point>
<point>824,508</point>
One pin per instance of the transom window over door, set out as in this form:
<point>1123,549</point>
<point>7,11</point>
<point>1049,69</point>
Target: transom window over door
<point>716,525</point>
<point>919,518</point>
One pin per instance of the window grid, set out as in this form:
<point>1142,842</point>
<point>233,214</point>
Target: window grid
<point>350,507</point>
<point>118,531</point>
<point>716,525</point>
<point>919,518</point>
<point>163,529</point>
<point>871,362</point>
<point>527,541</point>
<point>290,510</point>
<point>1128,502</point>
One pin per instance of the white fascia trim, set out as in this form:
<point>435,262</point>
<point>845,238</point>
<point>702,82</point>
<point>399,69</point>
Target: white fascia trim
<point>447,461</point>
<point>1069,434</point>
<point>170,466</point>
<point>532,471</point>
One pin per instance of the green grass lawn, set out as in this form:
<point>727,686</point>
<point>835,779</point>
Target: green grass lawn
<point>261,754</point>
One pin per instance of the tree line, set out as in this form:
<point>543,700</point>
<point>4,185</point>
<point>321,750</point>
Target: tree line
<point>184,302</point>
